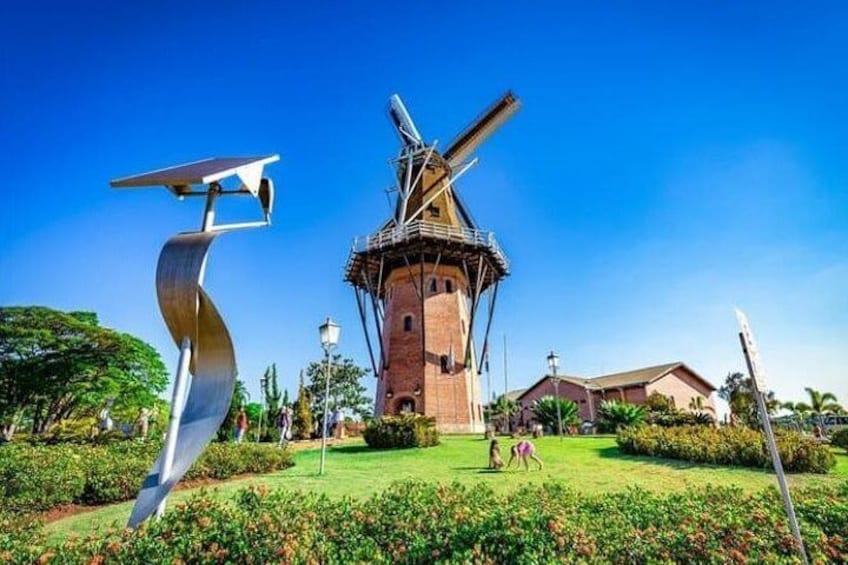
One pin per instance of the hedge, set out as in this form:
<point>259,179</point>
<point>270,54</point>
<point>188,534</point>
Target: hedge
<point>39,477</point>
<point>409,430</point>
<point>429,523</point>
<point>727,446</point>
<point>840,438</point>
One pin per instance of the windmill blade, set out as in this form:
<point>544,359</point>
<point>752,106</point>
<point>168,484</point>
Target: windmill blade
<point>406,129</point>
<point>481,128</point>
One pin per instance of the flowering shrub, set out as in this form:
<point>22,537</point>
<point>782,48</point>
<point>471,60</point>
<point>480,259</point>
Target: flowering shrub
<point>726,446</point>
<point>408,430</point>
<point>430,523</point>
<point>40,477</point>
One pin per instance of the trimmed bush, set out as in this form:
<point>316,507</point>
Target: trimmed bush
<point>726,446</point>
<point>429,523</point>
<point>39,477</point>
<point>408,430</point>
<point>840,438</point>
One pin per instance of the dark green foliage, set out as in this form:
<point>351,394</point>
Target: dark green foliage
<point>727,446</point>
<point>408,430</point>
<point>738,391</point>
<point>239,400</point>
<point>613,415</point>
<point>429,523</point>
<point>57,365</point>
<point>346,389</point>
<point>839,438</point>
<point>545,412</point>
<point>36,478</point>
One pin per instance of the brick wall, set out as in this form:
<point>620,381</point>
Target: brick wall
<point>567,390</point>
<point>452,398</point>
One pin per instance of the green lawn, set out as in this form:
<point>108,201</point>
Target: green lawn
<point>591,464</point>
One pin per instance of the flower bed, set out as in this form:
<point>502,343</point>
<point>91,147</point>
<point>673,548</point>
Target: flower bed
<point>39,477</point>
<point>726,446</point>
<point>424,523</point>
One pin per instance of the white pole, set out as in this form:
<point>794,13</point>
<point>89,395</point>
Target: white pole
<point>775,456</point>
<point>326,408</point>
<point>177,402</point>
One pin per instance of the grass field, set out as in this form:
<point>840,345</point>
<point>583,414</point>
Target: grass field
<point>591,464</point>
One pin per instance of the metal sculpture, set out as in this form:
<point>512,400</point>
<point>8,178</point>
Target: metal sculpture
<point>430,235</point>
<point>198,408</point>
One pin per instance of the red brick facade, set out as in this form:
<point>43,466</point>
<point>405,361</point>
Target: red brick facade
<point>428,387</point>
<point>676,381</point>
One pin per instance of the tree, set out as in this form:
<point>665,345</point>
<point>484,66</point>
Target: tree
<point>545,412</point>
<point>503,409</point>
<point>738,391</point>
<point>271,390</point>
<point>820,403</point>
<point>346,389</point>
<point>286,401</point>
<point>56,365</point>
<point>302,417</point>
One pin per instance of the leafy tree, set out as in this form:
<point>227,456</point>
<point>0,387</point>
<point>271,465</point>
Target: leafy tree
<point>286,401</point>
<point>658,403</point>
<point>738,391</point>
<point>545,412</point>
<point>346,389</point>
<point>56,365</point>
<point>820,403</point>
<point>503,409</point>
<point>302,413</point>
<point>613,414</point>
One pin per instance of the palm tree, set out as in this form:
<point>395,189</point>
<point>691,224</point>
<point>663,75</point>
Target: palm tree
<point>503,408</point>
<point>820,403</point>
<point>545,411</point>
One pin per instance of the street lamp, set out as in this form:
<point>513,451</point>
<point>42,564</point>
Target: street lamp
<point>553,363</point>
<point>329,332</point>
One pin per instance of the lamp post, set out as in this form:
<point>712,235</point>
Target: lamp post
<point>553,363</point>
<point>263,381</point>
<point>329,332</point>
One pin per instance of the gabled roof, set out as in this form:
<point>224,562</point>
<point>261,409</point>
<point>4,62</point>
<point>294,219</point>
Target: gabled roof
<point>515,394</point>
<point>637,377</point>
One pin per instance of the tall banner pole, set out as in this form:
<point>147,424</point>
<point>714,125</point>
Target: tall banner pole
<point>752,359</point>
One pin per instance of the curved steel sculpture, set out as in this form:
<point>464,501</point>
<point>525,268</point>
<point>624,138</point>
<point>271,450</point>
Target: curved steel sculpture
<point>206,349</point>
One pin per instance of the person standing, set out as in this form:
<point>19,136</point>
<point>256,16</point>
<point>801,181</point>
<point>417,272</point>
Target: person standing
<point>284,425</point>
<point>142,423</point>
<point>241,425</point>
<point>338,419</point>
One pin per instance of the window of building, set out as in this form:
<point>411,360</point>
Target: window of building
<point>433,287</point>
<point>448,285</point>
<point>444,362</point>
<point>407,323</point>
<point>406,406</point>
<point>435,212</point>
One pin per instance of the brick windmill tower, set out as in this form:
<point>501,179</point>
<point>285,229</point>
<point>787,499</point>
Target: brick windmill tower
<point>423,277</point>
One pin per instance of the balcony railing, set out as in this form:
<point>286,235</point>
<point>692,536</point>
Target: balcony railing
<point>419,230</point>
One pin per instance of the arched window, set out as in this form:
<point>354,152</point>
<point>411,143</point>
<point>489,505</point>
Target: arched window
<point>445,363</point>
<point>433,287</point>
<point>407,323</point>
<point>448,285</point>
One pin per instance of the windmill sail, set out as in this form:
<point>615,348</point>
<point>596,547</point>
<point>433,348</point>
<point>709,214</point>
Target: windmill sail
<point>480,129</point>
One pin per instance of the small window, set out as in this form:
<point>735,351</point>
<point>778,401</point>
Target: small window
<point>443,361</point>
<point>435,212</point>
<point>407,323</point>
<point>448,285</point>
<point>433,287</point>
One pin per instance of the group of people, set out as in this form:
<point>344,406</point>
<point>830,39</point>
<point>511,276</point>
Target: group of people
<point>521,452</point>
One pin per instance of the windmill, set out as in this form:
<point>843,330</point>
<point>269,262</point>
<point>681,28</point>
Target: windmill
<point>421,279</point>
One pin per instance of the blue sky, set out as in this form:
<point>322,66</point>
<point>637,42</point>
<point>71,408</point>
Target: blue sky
<point>668,164</point>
